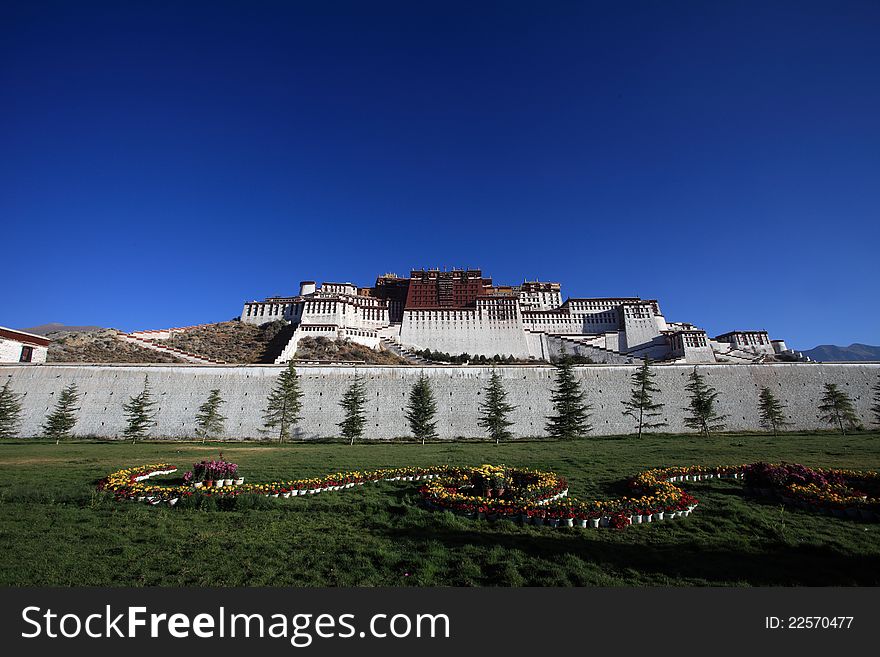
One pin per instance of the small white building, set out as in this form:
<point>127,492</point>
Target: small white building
<point>21,347</point>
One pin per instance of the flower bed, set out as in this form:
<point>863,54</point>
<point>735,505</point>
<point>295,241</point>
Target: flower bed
<point>841,493</point>
<point>497,492</point>
<point>130,484</point>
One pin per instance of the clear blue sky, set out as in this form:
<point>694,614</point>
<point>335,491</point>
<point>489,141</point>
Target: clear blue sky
<point>161,162</point>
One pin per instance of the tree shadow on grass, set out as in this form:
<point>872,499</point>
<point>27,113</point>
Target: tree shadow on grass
<point>776,564</point>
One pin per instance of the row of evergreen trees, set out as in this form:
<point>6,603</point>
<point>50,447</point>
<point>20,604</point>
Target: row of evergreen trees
<point>461,359</point>
<point>570,417</point>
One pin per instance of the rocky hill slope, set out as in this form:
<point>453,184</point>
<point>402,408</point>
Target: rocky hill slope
<point>234,341</point>
<point>99,346</point>
<point>324,349</point>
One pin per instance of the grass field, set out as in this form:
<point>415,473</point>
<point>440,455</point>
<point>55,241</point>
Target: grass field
<point>55,530</point>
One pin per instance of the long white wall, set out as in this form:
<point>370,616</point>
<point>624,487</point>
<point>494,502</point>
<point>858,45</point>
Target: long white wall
<point>180,389</point>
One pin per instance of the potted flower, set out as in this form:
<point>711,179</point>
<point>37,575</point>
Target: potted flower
<point>537,516</point>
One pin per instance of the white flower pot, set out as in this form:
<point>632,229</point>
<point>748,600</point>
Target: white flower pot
<point>239,481</point>
<point>198,484</point>
<point>582,523</point>
<point>173,501</point>
<point>227,482</point>
<point>568,522</point>
<point>218,483</point>
<point>637,520</point>
<point>285,495</point>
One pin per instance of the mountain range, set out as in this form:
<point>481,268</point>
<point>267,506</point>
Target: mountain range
<point>53,327</point>
<point>832,353</point>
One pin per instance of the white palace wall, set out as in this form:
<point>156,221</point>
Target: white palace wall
<point>180,389</point>
<point>464,331</point>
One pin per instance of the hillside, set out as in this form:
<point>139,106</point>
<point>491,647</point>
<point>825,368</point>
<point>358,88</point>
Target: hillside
<point>830,353</point>
<point>235,341</point>
<point>99,346</point>
<point>232,342</point>
<point>323,349</point>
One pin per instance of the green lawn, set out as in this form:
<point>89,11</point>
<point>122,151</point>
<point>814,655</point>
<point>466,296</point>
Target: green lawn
<point>55,530</point>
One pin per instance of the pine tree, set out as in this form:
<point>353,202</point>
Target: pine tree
<point>421,410</point>
<point>62,420</point>
<point>703,415</point>
<point>495,409</point>
<point>140,411</point>
<point>837,409</point>
<point>353,402</point>
<point>571,418</point>
<point>10,411</point>
<point>770,410</point>
<point>875,408</point>
<point>284,404</point>
<point>641,406</point>
<point>209,421</point>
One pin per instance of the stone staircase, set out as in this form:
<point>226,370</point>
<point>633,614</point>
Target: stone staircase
<point>597,353</point>
<point>726,353</point>
<point>157,345</point>
<point>392,345</point>
<point>739,356</point>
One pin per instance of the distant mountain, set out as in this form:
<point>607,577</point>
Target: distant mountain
<point>831,353</point>
<point>54,327</point>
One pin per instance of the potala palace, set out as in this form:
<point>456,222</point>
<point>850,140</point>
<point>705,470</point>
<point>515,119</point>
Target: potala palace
<point>462,311</point>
